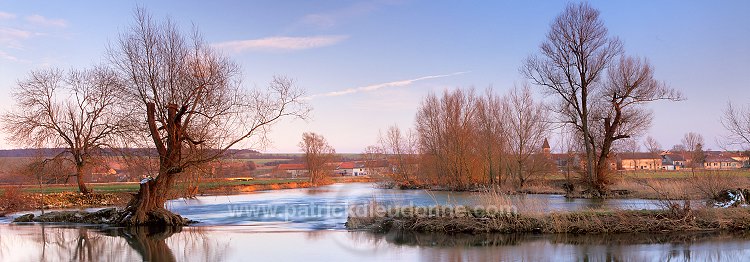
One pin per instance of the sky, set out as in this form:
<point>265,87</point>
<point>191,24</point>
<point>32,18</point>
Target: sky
<point>367,65</point>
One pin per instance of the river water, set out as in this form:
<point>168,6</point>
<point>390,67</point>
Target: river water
<point>308,224</point>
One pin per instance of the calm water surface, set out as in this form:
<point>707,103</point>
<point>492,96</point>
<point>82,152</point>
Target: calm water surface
<point>308,224</point>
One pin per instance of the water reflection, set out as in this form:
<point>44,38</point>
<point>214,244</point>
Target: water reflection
<point>307,224</point>
<point>323,207</point>
<point>240,243</point>
<point>66,243</point>
<point>689,246</point>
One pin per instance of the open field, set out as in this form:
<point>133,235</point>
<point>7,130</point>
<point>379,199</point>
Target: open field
<point>133,186</point>
<point>683,184</point>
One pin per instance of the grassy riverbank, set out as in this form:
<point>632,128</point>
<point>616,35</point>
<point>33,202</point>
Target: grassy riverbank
<point>15,200</point>
<point>683,184</point>
<point>467,220</point>
<point>30,197</point>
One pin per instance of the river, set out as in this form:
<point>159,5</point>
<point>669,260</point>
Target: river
<point>308,224</point>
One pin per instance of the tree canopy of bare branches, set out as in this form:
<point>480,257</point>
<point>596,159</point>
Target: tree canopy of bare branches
<point>691,140</point>
<point>528,127</point>
<point>446,130</point>
<point>399,148</point>
<point>693,143</point>
<point>318,157</point>
<point>76,110</point>
<point>492,134</point>
<point>736,121</point>
<point>600,91</point>
<point>191,104</point>
<point>652,145</point>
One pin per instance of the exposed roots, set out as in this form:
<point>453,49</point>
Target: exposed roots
<point>154,217</point>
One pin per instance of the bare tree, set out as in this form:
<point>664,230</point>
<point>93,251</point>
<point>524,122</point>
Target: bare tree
<point>691,140</point>
<point>629,145</point>
<point>318,156</point>
<point>574,58</point>
<point>678,148</point>
<point>570,145</point>
<point>620,112</point>
<point>401,148</point>
<point>652,145</point>
<point>446,130</point>
<point>194,107</point>
<point>693,144</point>
<point>376,162</point>
<point>73,110</point>
<point>603,104</point>
<point>528,127</point>
<point>737,121</point>
<point>492,134</point>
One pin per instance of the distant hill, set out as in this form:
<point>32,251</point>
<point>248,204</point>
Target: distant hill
<point>31,152</point>
<point>52,152</point>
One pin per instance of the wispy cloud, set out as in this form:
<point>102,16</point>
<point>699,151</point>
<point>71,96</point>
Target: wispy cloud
<point>280,43</point>
<point>374,87</point>
<point>4,15</point>
<point>44,21</point>
<point>11,37</point>
<point>6,56</point>
<point>332,18</point>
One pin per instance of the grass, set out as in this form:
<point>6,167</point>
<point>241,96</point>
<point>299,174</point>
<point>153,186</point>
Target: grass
<point>133,187</point>
<point>520,216</point>
<point>230,183</point>
<point>579,222</point>
<point>99,188</point>
<point>682,184</point>
<point>701,185</point>
<point>685,173</point>
<point>261,161</point>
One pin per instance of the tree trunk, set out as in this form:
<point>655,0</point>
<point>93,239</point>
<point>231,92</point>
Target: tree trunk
<point>79,179</point>
<point>147,207</point>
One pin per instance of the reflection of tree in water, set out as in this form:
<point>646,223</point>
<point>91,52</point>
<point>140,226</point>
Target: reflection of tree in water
<point>76,244</point>
<point>196,244</point>
<point>149,242</point>
<point>68,243</point>
<point>158,243</point>
<point>317,191</point>
<point>685,246</point>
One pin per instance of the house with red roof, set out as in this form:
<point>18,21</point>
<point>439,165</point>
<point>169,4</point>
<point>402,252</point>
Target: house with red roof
<point>721,162</point>
<point>351,169</point>
<point>293,170</point>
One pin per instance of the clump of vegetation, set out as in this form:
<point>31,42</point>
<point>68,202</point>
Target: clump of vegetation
<point>592,221</point>
<point>12,199</point>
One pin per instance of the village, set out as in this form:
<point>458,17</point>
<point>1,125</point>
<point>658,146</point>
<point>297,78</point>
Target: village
<point>252,165</point>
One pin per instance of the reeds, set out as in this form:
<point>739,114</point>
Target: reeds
<point>616,221</point>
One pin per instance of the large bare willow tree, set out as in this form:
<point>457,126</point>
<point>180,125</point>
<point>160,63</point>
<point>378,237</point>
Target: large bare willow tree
<point>74,110</point>
<point>600,91</point>
<point>191,106</point>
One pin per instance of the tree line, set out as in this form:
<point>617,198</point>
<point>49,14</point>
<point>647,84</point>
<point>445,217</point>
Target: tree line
<point>599,95</point>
